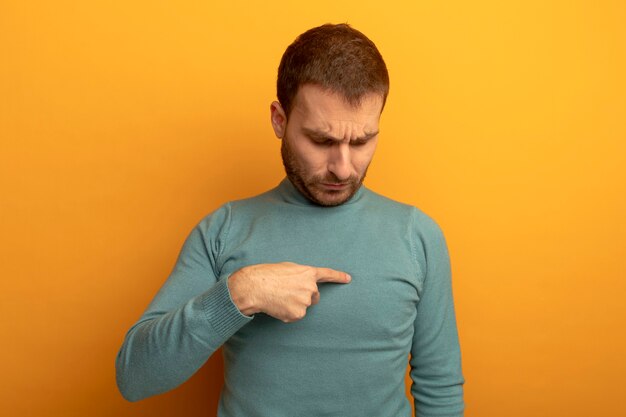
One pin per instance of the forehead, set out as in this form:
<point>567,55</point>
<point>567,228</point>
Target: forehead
<point>317,106</point>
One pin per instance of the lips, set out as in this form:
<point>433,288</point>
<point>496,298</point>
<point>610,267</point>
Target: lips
<point>334,186</point>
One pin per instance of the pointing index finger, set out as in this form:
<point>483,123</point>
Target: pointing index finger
<point>331,275</point>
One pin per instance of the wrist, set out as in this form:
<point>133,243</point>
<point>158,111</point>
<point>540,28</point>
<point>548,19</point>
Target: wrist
<point>241,293</point>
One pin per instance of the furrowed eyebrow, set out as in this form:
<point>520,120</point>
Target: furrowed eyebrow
<point>315,135</point>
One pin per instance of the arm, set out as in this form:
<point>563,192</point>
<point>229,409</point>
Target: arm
<point>435,355</point>
<point>190,318</point>
<point>196,310</point>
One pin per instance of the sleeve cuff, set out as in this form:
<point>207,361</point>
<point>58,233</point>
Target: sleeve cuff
<point>221,312</point>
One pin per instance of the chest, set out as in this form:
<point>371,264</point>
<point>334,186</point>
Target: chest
<point>376,310</point>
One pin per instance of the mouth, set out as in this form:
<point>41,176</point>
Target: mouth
<point>335,186</point>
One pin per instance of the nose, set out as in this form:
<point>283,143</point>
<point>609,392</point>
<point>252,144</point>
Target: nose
<point>339,161</point>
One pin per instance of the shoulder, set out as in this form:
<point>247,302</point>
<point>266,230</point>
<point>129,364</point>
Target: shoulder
<point>417,216</point>
<point>423,228</point>
<point>379,202</point>
<point>237,209</point>
<point>255,203</point>
<point>215,219</point>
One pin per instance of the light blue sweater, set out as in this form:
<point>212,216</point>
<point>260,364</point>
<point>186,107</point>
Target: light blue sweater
<point>348,356</point>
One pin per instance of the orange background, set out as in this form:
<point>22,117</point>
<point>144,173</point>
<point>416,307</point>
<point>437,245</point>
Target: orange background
<point>123,123</point>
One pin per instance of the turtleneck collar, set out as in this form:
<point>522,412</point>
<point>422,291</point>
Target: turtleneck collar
<point>291,194</point>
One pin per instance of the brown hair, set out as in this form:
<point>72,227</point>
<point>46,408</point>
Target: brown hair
<point>336,57</point>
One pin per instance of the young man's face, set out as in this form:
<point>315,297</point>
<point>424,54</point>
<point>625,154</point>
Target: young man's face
<point>327,144</point>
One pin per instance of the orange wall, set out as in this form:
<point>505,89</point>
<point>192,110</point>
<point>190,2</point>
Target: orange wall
<point>124,123</point>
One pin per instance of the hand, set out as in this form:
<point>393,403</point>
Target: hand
<point>283,291</point>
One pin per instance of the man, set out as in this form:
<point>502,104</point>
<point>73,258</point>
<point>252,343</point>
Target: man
<point>319,289</point>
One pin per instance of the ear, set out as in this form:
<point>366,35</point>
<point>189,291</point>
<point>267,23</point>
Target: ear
<point>279,119</point>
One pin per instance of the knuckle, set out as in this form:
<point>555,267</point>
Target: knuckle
<point>299,314</point>
<point>294,314</point>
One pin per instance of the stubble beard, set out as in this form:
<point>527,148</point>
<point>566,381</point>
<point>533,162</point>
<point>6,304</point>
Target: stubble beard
<point>311,188</point>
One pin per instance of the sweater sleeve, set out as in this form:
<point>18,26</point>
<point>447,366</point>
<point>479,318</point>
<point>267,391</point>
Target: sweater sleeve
<point>191,316</point>
<point>435,361</point>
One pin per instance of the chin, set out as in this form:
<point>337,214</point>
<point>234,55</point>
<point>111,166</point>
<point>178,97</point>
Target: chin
<point>330,199</point>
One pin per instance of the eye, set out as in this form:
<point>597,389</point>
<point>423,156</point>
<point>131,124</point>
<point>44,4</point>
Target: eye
<point>324,142</point>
